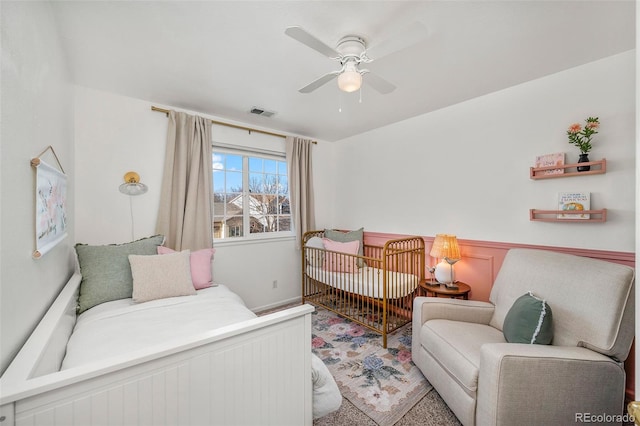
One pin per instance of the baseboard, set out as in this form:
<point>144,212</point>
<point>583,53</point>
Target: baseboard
<point>276,305</point>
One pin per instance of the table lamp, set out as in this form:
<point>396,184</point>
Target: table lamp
<point>445,247</point>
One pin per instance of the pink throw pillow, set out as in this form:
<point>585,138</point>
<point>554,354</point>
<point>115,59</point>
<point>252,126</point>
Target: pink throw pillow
<point>336,262</point>
<point>200,262</point>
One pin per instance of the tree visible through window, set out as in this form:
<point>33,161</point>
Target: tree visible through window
<point>250,195</point>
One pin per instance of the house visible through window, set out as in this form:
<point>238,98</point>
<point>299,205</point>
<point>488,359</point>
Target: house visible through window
<point>250,195</point>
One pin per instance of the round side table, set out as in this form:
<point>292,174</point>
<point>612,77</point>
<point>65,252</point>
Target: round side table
<point>440,290</point>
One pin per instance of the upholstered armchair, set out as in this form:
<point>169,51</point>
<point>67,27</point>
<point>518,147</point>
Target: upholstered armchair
<point>460,347</point>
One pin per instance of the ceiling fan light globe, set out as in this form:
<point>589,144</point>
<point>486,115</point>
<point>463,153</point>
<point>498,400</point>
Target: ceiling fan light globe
<point>349,81</point>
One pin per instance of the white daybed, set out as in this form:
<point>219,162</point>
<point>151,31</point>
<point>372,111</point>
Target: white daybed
<point>257,371</point>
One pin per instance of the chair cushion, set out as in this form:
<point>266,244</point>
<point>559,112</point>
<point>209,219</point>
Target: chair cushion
<point>456,345</point>
<point>529,321</point>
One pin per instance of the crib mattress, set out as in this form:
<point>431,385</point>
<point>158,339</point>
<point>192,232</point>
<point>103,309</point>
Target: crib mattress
<point>367,281</point>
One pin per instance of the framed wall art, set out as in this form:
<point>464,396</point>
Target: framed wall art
<point>50,204</point>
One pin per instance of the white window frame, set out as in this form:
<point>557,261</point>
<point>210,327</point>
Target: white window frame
<point>246,219</point>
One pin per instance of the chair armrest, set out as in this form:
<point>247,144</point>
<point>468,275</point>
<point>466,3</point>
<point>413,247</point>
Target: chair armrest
<point>546,384</point>
<point>428,308</point>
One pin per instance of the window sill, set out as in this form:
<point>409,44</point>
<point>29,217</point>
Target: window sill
<point>252,240</point>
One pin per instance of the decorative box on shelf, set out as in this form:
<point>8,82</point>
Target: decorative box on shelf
<point>597,167</point>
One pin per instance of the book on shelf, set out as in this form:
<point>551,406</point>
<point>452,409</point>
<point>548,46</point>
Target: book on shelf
<point>573,203</point>
<point>555,159</point>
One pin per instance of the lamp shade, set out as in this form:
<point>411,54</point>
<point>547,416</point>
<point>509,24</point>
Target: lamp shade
<point>132,185</point>
<point>445,245</point>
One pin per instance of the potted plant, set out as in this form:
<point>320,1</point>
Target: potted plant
<point>581,137</point>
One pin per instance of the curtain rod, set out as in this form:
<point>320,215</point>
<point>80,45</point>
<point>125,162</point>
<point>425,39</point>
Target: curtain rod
<point>235,126</point>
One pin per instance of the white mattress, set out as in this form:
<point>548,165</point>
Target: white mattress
<point>121,326</point>
<point>368,281</point>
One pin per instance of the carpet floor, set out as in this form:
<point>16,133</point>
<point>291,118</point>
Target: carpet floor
<point>431,410</point>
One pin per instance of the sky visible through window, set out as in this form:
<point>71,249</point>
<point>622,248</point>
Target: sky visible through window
<point>265,181</point>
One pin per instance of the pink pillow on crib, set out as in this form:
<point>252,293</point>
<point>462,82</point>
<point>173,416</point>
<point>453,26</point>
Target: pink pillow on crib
<point>200,262</point>
<point>336,262</point>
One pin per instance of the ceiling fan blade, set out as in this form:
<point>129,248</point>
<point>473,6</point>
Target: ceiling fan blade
<point>378,83</point>
<point>304,37</point>
<point>319,82</point>
<point>409,36</point>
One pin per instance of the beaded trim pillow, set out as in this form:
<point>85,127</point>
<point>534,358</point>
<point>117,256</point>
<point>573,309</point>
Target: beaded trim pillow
<point>529,321</point>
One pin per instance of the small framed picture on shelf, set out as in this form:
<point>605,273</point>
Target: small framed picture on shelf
<point>572,204</point>
<point>548,160</point>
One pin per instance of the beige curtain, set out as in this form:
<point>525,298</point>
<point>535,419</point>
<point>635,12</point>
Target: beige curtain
<point>298,152</point>
<point>185,216</point>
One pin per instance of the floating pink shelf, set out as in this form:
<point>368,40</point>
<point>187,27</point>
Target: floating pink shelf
<point>597,168</point>
<point>552,216</point>
<point>600,168</point>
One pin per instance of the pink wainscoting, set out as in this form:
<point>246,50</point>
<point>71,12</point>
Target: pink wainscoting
<point>481,261</point>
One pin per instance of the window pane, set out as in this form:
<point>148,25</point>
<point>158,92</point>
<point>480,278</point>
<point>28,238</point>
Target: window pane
<point>284,207</point>
<point>271,184</point>
<point>283,185</point>
<point>233,162</point>
<point>233,182</point>
<point>234,227</point>
<point>255,164</point>
<point>218,161</point>
<point>270,166</point>
<point>282,168</point>
<point>256,183</point>
<point>233,203</point>
<point>284,223</point>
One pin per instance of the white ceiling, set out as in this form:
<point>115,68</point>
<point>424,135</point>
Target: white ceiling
<point>224,57</point>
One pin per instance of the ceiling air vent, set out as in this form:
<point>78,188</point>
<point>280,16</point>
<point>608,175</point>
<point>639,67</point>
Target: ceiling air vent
<point>261,111</point>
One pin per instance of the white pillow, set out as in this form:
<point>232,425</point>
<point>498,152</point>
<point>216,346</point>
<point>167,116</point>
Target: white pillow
<point>160,276</point>
<point>315,258</point>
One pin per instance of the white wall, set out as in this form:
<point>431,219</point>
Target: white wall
<point>392,179</point>
<point>465,169</point>
<point>637,233</point>
<point>115,134</point>
<point>37,111</point>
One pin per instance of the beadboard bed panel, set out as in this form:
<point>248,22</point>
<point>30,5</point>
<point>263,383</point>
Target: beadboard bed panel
<point>254,372</point>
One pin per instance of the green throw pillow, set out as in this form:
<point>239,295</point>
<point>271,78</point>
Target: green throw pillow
<point>529,321</point>
<point>106,272</point>
<point>345,237</point>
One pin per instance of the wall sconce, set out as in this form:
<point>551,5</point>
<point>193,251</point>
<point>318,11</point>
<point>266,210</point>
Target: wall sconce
<point>445,247</point>
<point>132,185</point>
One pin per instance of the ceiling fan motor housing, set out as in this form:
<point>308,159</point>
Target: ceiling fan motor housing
<point>351,47</point>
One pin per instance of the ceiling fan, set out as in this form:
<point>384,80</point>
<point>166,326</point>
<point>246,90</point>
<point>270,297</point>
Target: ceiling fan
<point>351,52</point>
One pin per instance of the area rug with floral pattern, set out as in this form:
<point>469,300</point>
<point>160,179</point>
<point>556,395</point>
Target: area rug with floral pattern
<point>383,383</point>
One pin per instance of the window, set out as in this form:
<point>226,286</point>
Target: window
<point>250,195</point>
